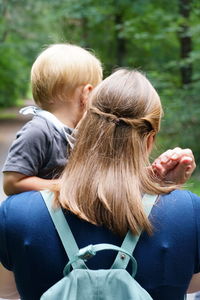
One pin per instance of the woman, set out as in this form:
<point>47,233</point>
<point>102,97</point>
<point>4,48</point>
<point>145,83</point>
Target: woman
<point>101,190</point>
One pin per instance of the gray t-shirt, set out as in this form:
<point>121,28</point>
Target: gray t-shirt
<point>38,150</point>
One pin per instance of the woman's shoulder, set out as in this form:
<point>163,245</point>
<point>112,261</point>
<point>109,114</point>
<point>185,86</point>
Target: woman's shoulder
<point>179,205</point>
<point>180,196</point>
<point>17,206</point>
<point>21,197</point>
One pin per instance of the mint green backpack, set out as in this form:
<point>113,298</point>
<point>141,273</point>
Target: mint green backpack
<point>81,283</point>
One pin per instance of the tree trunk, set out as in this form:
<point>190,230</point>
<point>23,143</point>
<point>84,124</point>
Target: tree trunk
<point>4,17</point>
<point>185,41</point>
<point>84,25</point>
<point>120,42</point>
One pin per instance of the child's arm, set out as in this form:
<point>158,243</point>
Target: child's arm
<point>15,183</point>
<point>8,289</point>
<point>30,153</point>
<point>194,285</point>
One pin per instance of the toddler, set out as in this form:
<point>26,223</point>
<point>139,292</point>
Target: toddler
<point>62,77</point>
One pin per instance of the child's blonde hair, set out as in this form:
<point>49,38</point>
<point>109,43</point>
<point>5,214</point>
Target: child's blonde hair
<point>59,70</point>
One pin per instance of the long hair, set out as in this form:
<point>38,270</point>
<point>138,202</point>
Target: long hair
<point>107,173</point>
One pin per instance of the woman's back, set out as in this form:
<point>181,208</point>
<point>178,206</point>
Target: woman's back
<point>166,260</point>
<point>103,182</point>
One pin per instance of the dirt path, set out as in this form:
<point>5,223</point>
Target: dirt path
<point>8,131</point>
<point>9,125</point>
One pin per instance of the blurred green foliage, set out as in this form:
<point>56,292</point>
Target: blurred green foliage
<point>143,34</point>
<point>23,32</point>
<point>194,185</point>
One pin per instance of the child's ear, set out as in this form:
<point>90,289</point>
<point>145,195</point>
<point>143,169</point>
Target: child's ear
<point>85,94</point>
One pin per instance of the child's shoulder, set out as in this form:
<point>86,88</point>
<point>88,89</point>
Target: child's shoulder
<point>36,126</point>
<point>37,122</point>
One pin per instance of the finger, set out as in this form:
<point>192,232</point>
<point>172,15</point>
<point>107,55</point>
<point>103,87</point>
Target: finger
<point>163,168</point>
<point>182,173</point>
<point>164,157</point>
<point>177,153</point>
<point>158,170</point>
<point>188,161</point>
<point>172,154</point>
<point>164,164</point>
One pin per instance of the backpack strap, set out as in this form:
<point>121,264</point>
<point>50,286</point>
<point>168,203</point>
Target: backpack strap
<point>63,230</point>
<point>70,244</point>
<point>91,250</point>
<point>130,240</point>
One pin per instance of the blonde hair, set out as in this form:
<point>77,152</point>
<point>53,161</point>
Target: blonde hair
<point>107,171</point>
<point>59,70</point>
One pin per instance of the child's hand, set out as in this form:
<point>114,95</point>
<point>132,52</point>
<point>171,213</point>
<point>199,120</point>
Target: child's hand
<point>174,165</point>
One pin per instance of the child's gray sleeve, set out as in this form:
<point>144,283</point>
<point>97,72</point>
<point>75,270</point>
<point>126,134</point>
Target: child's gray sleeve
<point>27,153</point>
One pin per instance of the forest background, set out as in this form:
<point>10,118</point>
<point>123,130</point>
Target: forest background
<point>160,37</point>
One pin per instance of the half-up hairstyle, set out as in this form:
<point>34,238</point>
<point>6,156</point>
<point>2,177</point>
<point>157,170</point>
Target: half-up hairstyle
<point>107,172</point>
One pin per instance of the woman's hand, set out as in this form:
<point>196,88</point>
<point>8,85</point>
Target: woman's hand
<point>175,165</point>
